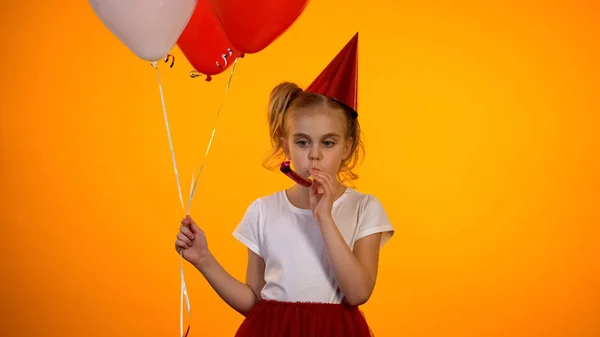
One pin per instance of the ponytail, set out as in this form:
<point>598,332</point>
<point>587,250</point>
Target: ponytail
<point>279,101</point>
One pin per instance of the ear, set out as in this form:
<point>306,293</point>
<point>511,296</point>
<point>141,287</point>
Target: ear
<point>285,146</point>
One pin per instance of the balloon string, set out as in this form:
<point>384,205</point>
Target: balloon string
<point>187,299</point>
<point>162,98</point>
<point>197,176</point>
<point>183,286</point>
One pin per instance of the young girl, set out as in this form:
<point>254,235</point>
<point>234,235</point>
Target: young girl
<point>312,251</point>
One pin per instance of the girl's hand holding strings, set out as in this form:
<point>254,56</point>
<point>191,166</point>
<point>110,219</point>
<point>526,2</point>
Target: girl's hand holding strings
<point>191,242</point>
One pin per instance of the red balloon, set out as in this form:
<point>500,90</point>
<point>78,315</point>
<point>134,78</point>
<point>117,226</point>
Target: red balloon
<point>205,44</point>
<point>252,25</point>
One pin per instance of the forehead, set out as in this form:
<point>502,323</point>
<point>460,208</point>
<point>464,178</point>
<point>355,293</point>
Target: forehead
<point>317,121</point>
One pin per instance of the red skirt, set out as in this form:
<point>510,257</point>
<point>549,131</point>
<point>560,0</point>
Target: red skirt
<point>300,319</point>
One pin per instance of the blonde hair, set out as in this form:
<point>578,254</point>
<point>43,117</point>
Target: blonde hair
<point>284,100</point>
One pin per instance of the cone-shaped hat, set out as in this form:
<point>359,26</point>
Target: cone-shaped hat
<point>339,80</point>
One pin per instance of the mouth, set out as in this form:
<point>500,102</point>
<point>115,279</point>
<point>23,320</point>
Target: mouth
<point>297,177</point>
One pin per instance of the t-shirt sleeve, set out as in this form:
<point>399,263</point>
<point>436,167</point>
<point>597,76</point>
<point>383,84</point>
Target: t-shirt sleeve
<point>373,219</point>
<point>248,230</point>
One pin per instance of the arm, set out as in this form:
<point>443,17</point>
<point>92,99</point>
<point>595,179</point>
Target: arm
<point>239,296</point>
<point>356,272</point>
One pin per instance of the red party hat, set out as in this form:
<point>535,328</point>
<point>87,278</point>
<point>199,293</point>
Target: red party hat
<point>339,80</point>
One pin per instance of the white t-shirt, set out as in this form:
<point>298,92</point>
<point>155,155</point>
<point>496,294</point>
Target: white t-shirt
<point>290,242</point>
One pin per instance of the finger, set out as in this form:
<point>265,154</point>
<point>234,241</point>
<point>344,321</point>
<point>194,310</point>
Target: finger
<point>327,182</point>
<point>192,222</point>
<point>314,188</point>
<point>182,237</point>
<point>185,222</point>
<point>325,177</point>
<point>329,187</point>
<point>193,226</point>
<point>180,245</point>
<point>317,176</point>
<point>187,232</point>
<point>318,186</point>
<point>322,183</point>
<point>325,190</point>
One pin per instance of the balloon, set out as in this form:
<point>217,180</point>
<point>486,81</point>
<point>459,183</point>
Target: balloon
<point>204,43</point>
<point>149,28</point>
<point>252,25</point>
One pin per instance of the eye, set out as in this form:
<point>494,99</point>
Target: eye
<point>302,142</point>
<point>328,143</point>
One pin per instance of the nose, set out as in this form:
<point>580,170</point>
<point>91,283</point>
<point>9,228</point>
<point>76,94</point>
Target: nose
<point>314,154</point>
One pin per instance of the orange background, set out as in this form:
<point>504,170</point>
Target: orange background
<point>481,129</point>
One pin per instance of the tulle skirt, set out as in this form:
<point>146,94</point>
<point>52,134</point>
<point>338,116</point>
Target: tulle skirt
<point>299,319</point>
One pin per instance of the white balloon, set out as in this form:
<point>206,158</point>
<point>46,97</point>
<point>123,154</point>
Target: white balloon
<point>149,28</point>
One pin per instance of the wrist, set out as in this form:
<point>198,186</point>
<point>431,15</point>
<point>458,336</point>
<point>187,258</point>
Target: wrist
<point>204,262</point>
<point>326,220</point>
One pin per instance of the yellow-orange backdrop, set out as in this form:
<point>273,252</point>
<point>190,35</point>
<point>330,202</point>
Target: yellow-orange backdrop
<point>481,125</point>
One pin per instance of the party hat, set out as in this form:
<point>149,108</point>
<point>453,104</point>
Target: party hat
<point>339,80</point>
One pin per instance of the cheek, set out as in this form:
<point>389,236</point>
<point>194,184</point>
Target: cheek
<point>289,147</point>
<point>334,158</point>
<point>297,152</point>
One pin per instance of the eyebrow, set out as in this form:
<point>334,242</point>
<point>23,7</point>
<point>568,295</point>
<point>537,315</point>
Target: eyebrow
<point>327,135</point>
